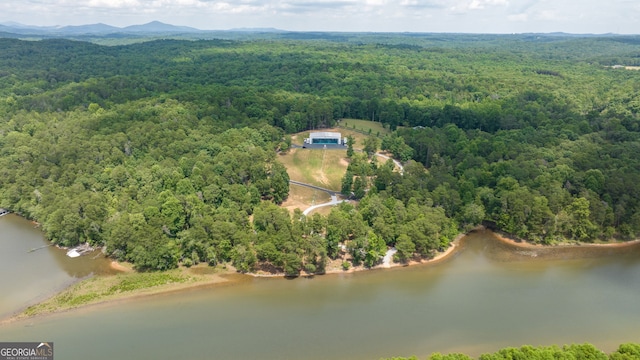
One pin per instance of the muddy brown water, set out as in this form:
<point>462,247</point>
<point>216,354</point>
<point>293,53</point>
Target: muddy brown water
<point>487,295</point>
<point>31,270</point>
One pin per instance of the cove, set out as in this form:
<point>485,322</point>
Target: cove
<point>487,295</point>
<point>29,275</point>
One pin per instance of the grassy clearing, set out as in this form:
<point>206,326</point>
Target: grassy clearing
<point>301,197</point>
<point>364,126</point>
<point>298,139</point>
<point>112,287</point>
<point>324,168</point>
<point>359,136</point>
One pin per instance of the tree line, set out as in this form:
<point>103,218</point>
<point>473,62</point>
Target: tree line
<point>164,151</point>
<point>628,351</point>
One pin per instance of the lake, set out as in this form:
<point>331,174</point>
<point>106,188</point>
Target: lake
<point>28,275</point>
<point>487,295</point>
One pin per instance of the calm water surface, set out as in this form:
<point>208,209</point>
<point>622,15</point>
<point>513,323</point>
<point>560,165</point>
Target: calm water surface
<point>488,295</point>
<point>27,276</point>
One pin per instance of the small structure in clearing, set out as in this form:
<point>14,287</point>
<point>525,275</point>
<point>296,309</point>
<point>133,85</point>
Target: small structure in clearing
<point>325,139</point>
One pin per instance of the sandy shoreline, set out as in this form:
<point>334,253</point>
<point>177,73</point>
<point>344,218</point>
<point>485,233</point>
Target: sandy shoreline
<point>336,268</point>
<point>204,276</point>
<point>512,240</point>
<point>95,289</point>
<point>118,266</point>
<point>193,281</point>
<point>22,316</point>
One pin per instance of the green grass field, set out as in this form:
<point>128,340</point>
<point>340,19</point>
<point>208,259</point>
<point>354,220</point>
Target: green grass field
<point>364,126</point>
<point>358,136</point>
<point>126,285</point>
<point>324,168</point>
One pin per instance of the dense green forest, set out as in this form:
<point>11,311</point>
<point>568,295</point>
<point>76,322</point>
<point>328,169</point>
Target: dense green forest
<point>568,352</point>
<point>165,151</point>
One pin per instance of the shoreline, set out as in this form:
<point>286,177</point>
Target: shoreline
<point>453,246</point>
<point>125,286</point>
<point>191,280</point>
<point>521,243</point>
<point>81,294</point>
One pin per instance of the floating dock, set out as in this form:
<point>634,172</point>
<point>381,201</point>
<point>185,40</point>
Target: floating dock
<point>79,250</point>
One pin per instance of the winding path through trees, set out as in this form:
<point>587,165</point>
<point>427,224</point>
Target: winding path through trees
<point>388,258</point>
<point>398,163</point>
<point>333,194</point>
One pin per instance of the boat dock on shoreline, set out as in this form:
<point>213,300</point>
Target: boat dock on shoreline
<point>79,250</point>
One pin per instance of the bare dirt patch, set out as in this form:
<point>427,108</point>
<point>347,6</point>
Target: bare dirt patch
<point>123,267</point>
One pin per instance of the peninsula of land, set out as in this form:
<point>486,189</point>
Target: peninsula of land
<point>129,284</point>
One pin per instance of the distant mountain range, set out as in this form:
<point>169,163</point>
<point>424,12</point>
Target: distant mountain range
<point>157,28</point>
<point>154,27</point>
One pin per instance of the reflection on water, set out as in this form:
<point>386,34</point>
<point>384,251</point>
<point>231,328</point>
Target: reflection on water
<point>488,295</point>
<point>30,275</point>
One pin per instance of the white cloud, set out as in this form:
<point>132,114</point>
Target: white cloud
<point>518,17</point>
<point>505,16</point>
<point>112,3</point>
<point>550,15</point>
<point>481,4</point>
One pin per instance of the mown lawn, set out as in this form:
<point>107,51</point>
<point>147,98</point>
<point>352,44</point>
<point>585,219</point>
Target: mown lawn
<point>324,168</point>
<point>366,126</point>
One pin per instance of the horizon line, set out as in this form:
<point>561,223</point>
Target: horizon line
<point>16,24</point>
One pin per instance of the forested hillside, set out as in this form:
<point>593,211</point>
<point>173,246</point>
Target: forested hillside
<point>165,151</point>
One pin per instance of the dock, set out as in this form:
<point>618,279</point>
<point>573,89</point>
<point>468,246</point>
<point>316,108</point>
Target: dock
<point>79,250</point>
<point>41,247</point>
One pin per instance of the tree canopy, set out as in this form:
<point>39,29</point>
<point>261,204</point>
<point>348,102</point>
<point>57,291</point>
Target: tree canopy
<point>570,352</point>
<point>164,151</point>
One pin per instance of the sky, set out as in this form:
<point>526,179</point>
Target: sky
<point>451,16</point>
